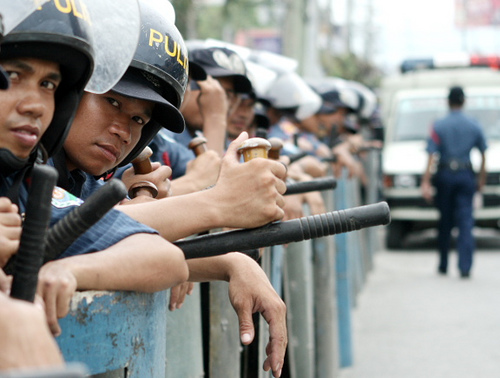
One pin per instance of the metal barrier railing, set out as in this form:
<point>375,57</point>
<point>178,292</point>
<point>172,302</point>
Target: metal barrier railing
<point>134,335</point>
<point>116,333</point>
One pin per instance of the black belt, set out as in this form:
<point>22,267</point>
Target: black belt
<point>455,165</point>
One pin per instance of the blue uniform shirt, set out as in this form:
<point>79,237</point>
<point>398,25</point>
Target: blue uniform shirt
<point>454,136</point>
<point>277,131</point>
<point>110,229</point>
<point>183,138</point>
<point>170,152</point>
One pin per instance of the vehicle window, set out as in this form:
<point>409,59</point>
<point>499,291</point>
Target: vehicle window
<point>486,109</point>
<point>415,116</point>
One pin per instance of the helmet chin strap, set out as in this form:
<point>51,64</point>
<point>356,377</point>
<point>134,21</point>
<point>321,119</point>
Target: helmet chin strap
<point>10,163</point>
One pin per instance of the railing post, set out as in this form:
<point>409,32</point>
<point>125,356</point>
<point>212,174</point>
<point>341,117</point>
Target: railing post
<point>224,340</point>
<point>184,339</point>
<point>325,303</point>
<point>354,242</point>
<point>298,293</point>
<point>343,282</point>
<point>120,334</point>
<point>372,165</point>
<point>272,264</point>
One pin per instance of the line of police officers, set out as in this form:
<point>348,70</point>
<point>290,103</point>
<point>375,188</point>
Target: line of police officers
<point>65,102</point>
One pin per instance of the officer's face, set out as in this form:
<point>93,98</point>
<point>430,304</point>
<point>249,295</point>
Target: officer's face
<point>310,124</point>
<point>191,109</point>
<point>105,130</point>
<point>233,98</point>
<point>242,118</point>
<point>27,107</point>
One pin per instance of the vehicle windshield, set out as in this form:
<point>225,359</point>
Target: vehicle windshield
<point>416,115</point>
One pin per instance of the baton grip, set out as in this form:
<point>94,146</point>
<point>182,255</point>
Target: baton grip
<point>331,159</point>
<point>81,218</point>
<point>253,148</point>
<point>299,155</point>
<point>325,183</point>
<point>198,145</point>
<point>29,258</point>
<point>142,166</point>
<point>141,163</point>
<point>305,228</point>
<point>276,147</point>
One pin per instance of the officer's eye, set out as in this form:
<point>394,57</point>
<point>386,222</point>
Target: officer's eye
<point>13,75</point>
<point>113,102</point>
<point>139,120</point>
<point>50,85</point>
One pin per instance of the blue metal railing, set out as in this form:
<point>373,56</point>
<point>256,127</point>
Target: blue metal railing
<point>134,335</point>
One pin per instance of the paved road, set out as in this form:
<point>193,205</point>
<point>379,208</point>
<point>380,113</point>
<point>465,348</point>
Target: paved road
<point>411,323</point>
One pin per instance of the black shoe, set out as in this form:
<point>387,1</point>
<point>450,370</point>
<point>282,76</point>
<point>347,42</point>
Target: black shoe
<point>442,271</point>
<point>464,274</point>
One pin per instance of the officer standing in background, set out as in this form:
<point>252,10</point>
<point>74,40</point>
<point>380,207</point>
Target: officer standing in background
<point>453,137</point>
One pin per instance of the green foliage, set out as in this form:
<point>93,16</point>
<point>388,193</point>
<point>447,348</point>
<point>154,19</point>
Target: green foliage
<point>220,22</point>
<point>183,8</point>
<point>224,21</point>
<point>351,67</point>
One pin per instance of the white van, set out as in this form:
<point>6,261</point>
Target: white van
<point>410,103</point>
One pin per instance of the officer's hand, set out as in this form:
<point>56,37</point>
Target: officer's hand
<point>259,296</point>
<point>249,194</point>
<point>56,285</point>
<point>201,173</point>
<point>159,177</point>
<point>178,295</point>
<point>5,282</point>
<point>315,202</point>
<point>26,341</point>
<point>293,206</point>
<point>213,99</point>
<point>204,169</point>
<point>10,230</point>
<point>426,189</point>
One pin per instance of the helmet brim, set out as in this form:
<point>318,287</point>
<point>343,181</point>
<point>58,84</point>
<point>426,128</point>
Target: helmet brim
<point>4,79</point>
<point>133,85</point>
<point>241,83</point>
<point>197,72</point>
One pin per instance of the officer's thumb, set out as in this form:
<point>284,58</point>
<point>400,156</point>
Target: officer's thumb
<point>247,330</point>
<point>232,150</point>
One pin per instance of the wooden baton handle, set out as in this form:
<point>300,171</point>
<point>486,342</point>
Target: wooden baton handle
<point>276,146</point>
<point>198,145</point>
<point>142,165</point>
<point>254,148</point>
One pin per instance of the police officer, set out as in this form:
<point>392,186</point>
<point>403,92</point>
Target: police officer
<point>22,324</point>
<point>123,121</point>
<point>49,59</point>
<point>453,137</point>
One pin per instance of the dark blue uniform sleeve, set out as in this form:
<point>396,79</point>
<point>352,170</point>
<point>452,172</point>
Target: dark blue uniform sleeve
<point>170,152</point>
<point>112,228</point>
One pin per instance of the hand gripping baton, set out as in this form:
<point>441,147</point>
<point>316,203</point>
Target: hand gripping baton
<point>313,226</point>
<point>29,258</point>
<point>81,218</point>
<point>325,183</point>
<point>142,165</point>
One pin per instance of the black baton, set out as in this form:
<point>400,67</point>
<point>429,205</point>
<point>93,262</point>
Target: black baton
<point>299,155</point>
<point>29,258</point>
<point>330,159</point>
<point>325,183</point>
<point>81,218</point>
<point>313,226</point>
